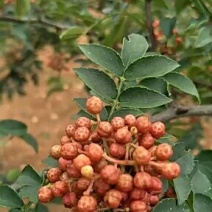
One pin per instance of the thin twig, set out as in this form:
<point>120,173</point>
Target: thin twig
<point>176,112</point>
<point>149,24</point>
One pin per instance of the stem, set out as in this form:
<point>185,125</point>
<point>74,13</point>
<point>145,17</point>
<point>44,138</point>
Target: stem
<point>27,207</point>
<point>119,162</point>
<point>90,188</point>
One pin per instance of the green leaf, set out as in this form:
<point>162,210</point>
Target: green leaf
<point>182,186</point>
<point>186,163</point>
<point>167,26</point>
<point>179,151</point>
<point>183,83</point>
<point>125,111</point>
<point>152,66</point>
<point>198,187</point>
<point>98,81</point>
<point>29,139</point>
<point>9,198</point>
<point>204,37</point>
<point>30,192</point>
<point>142,98</point>
<point>82,113</point>
<point>72,32</point>
<point>50,162</point>
<point>170,205</point>
<point>134,47</point>
<point>12,127</point>
<point>202,203</point>
<point>105,57</point>
<point>205,157</point>
<point>41,208</point>
<point>22,7</point>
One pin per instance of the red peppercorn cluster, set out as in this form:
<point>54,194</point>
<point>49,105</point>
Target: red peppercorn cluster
<point>106,165</point>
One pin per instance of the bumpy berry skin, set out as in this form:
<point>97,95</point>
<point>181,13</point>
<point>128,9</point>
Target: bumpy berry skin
<point>62,163</point>
<point>137,194</point>
<point>117,122</point>
<point>104,129</point>
<point>69,200</point>
<point>100,165</point>
<point>156,186</point>
<point>80,161</point>
<point>87,203</point>
<point>153,200</point>
<point>138,206</point>
<point>82,134</point>
<point>83,183</point>
<point>141,156</point>
<point>146,140</point>
<point>158,129</point>
<point>110,174</point>
<point>64,140</point>
<point>69,151</point>
<point>55,151</point>
<point>87,171</point>
<point>83,122</point>
<point>100,187</point>
<point>54,174</point>
<point>95,152</point>
<point>125,183</point>
<point>113,198</point>
<point>117,150</point>
<point>72,171</point>
<point>143,124</point>
<point>70,129</point>
<point>45,194</point>
<point>123,135</point>
<point>94,105</point>
<point>170,171</point>
<point>60,188</point>
<point>163,152</point>
<point>130,120</point>
<point>95,138</point>
<point>142,180</point>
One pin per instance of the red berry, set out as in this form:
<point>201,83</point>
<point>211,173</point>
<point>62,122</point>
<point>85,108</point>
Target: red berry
<point>83,122</point>
<point>170,193</point>
<point>94,105</point>
<point>83,183</point>
<point>146,140</point>
<point>95,152</point>
<point>138,206</point>
<point>143,124</point>
<point>72,171</point>
<point>137,194</point>
<point>80,161</point>
<point>130,120</point>
<point>117,150</point>
<point>163,152</point>
<point>60,188</point>
<point>100,165</point>
<point>110,174</point>
<point>125,183</point>
<point>64,140</point>
<point>141,156</point>
<point>45,194</point>
<point>69,151</point>
<point>123,136</point>
<point>87,203</point>
<point>142,180</point>
<point>70,129</point>
<point>55,151</point>
<point>153,200</point>
<point>117,122</point>
<point>104,129</point>
<point>95,138</point>
<point>65,177</point>
<point>158,129</point>
<point>81,134</point>
<point>150,170</point>
<point>100,187</point>
<point>156,186</point>
<point>113,198</point>
<point>62,163</point>
<point>54,175</point>
<point>87,171</point>
<point>170,170</point>
<point>69,200</point>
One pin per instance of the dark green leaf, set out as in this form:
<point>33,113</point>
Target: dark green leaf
<point>30,192</point>
<point>183,83</point>
<point>205,169</point>
<point>124,111</point>
<point>167,26</point>
<point>12,127</point>
<point>9,198</point>
<point>205,157</point>
<point>83,113</point>
<point>179,151</point>
<point>152,66</point>
<point>170,205</point>
<point>98,81</point>
<point>198,187</point>
<point>165,184</point>
<point>186,163</point>
<point>182,186</point>
<point>29,139</point>
<point>50,162</point>
<point>22,7</point>
<point>204,37</point>
<point>105,57</point>
<point>41,208</point>
<point>72,32</point>
<point>202,203</point>
<point>142,98</point>
<point>134,47</point>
